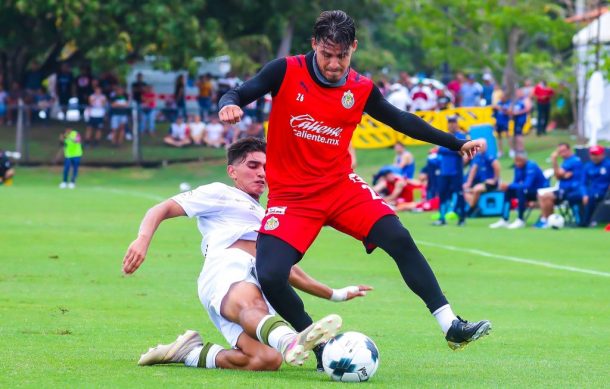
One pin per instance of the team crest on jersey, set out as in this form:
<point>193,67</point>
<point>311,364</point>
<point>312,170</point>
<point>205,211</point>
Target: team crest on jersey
<point>272,223</point>
<point>348,99</point>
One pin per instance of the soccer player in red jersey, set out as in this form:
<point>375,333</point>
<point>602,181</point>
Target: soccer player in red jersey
<point>318,100</point>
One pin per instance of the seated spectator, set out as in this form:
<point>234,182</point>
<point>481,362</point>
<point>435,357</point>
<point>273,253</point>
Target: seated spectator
<point>7,172</point>
<point>214,132</point>
<point>484,176</point>
<point>570,189</point>
<point>197,129</point>
<point>528,178</point>
<point>404,161</point>
<point>179,134</point>
<point>422,97</point>
<point>596,181</point>
<point>256,130</point>
<point>396,190</point>
<point>399,97</point>
<point>44,102</point>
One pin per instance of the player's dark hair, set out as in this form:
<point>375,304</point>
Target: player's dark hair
<point>567,145</point>
<point>238,151</point>
<point>336,27</point>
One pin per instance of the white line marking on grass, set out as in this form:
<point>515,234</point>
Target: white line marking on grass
<point>128,193</point>
<point>515,259</point>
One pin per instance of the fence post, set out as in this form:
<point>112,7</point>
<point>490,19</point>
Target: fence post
<point>21,145</point>
<point>136,146</point>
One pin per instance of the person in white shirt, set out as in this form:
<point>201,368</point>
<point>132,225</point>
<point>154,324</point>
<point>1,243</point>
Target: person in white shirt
<point>214,132</point>
<point>228,218</point>
<point>197,129</point>
<point>178,136</point>
<point>97,112</point>
<point>399,97</point>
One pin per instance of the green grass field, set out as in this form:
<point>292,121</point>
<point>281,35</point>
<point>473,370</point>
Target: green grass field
<point>70,319</point>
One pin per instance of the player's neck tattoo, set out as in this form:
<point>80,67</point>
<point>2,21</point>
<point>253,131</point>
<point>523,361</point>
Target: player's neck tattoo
<point>323,79</point>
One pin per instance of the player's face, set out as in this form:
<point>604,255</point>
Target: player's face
<point>332,60</point>
<point>520,162</point>
<point>249,174</point>
<point>596,159</point>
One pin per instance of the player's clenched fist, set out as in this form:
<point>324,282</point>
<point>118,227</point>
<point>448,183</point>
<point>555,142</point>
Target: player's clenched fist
<point>230,114</point>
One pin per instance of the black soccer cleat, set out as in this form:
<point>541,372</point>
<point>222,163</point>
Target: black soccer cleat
<point>463,332</point>
<point>318,350</point>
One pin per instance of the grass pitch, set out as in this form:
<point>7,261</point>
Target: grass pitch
<point>69,318</point>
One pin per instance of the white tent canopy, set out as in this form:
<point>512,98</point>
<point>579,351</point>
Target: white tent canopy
<point>589,33</point>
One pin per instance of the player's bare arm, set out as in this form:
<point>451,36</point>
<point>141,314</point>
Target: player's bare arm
<point>136,252</point>
<point>303,281</point>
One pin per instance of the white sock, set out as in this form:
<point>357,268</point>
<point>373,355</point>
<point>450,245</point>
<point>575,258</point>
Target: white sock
<point>280,336</point>
<point>192,358</point>
<point>210,359</point>
<point>259,327</point>
<point>444,316</point>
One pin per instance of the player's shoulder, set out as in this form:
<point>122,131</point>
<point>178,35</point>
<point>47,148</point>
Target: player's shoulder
<point>216,188</point>
<point>358,78</point>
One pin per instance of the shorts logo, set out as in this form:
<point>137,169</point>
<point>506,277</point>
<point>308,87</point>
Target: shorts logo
<point>272,223</point>
<point>276,211</point>
<point>348,100</point>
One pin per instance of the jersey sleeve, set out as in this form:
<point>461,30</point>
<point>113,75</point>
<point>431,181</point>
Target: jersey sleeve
<point>204,200</point>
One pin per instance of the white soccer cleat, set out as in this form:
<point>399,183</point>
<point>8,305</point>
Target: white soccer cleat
<point>499,224</point>
<point>518,223</point>
<point>71,185</point>
<point>63,185</point>
<point>318,332</point>
<point>174,352</point>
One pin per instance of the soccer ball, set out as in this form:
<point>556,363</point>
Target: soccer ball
<point>350,357</point>
<point>185,186</point>
<point>556,221</point>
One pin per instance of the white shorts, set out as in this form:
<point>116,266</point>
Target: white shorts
<point>218,274</point>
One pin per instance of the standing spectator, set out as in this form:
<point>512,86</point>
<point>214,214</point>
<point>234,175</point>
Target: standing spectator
<point>7,172</point>
<point>84,87</point>
<point>197,129</point>
<point>454,87</point>
<point>470,92</point>
<point>180,96</point>
<point>73,151</point>
<point>108,82</point>
<point>422,96</point>
<point>543,95</point>
<point>148,112</point>
<point>3,103</point>
<point>527,88</point>
<point>405,80</point>
<point>179,134</point>
<point>97,112</point>
<point>488,88</point>
<point>64,86</point>
<point>528,178</point>
<point>484,176</point>
<point>32,82</point>
<point>404,161</point>
<point>137,89</point>
<point>399,97</point>
<point>214,132</point>
<point>502,112</point>
<point>119,115</point>
<point>520,109</point>
<point>205,87</point>
<point>15,94</point>
<point>429,174</point>
<point>569,175</point>
<point>596,181</point>
<point>451,178</point>
<point>43,102</point>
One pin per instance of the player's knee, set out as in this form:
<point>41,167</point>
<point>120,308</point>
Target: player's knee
<point>269,360</point>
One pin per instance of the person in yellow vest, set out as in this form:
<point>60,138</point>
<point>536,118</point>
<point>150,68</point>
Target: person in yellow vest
<point>6,169</point>
<point>73,151</point>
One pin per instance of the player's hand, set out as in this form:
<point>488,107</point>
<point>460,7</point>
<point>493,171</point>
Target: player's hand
<point>135,255</point>
<point>350,292</point>
<point>555,154</point>
<point>230,114</point>
<point>470,149</point>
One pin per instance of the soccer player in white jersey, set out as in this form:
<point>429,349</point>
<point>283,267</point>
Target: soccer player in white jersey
<point>228,218</point>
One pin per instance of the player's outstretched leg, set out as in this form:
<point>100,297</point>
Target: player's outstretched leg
<point>462,332</point>
<point>175,352</point>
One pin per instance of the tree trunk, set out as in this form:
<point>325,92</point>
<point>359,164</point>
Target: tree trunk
<point>286,43</point>
<point>510,76</point>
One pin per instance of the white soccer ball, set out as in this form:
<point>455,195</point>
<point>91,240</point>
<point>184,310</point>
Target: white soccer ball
<point>350,357</point>
<point>556,221</point>
<point>185,186</point>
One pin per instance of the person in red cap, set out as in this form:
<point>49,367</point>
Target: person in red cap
<point>596,181</point>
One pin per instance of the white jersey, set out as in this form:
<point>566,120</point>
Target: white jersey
<point>224,215</point>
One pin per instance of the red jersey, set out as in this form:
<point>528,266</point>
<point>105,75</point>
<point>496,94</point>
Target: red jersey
<point>310,129</point>
<point>543,94</point>
<point>406,195</point>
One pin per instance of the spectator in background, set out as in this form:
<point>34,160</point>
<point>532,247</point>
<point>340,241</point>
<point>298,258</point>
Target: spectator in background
<point>596,181</point>
<point>3,103</point>
<point>570,177</point>
<point>471,92</point>
<point>405,80</point>
<point>399,97</point>
<point>97,113</point>
<point>73,151</point>
<point>32,82</point>
<point>214,132</point>
<point>43,102</point>
<point>197,129</point>
<point>488,88</point>
<point>404,161</point>
<point>180,96</point>
<point>64,85</point>
<point>502,111</point>
<point>15,94</point>
<point>451,178</point>
<point>119,115</point>
<point>179,134</point>
<point>84,87</point>
<point>519,111</point>
<point>396,190</point>
<point>543,95</point>
<point>528,178</point>
<point>483,176</point>
<point>429,174</point>
<point>454,87</point>
<point>138,87</point>
<point>7,172</point>
<point>108,82</point>
<point>204,98</point>
<point>148,110</point>
<point>422,97</point>
<point>256,130</point>
<point>527,88</point>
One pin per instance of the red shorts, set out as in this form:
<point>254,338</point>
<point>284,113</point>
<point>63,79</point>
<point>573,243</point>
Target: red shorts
<point>350,206</point>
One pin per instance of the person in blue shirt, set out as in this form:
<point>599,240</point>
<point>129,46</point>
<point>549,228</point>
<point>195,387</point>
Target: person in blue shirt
<point>520,109</point>
<point>502,114</point>
<point>451,178</point>
<point>569,175</point>
<point>404,160</point>
<point>483,176</point>
<point>429,174</point>
<point>528,178</point>
<point>596,181</point>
